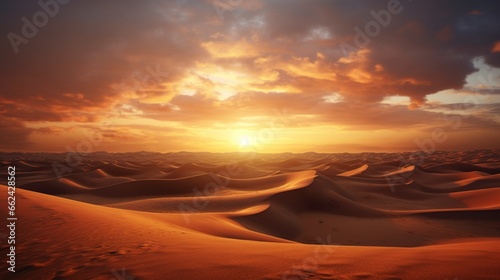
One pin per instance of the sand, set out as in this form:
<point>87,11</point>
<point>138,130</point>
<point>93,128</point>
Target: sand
<point>248,216</point>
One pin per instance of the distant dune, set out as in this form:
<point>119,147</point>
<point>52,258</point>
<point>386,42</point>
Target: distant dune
<point>249,216</point>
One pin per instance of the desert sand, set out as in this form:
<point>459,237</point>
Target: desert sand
<point>256,216</point>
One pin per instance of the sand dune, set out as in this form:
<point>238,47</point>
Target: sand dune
<point>228,216</point>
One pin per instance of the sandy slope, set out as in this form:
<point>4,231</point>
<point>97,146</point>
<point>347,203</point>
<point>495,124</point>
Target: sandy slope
<point>210,216</point>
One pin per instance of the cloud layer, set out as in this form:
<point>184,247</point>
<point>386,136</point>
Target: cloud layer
<point>173,75</point>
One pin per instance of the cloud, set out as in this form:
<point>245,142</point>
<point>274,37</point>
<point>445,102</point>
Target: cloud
<point>89,47</point>
<point>15,136</point>
<point>83,53</point>
<point>179,62</point>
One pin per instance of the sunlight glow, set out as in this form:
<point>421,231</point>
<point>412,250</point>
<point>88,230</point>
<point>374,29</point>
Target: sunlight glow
<point>245,141</point>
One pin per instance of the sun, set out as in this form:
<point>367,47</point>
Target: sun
<point>244,138</point>
<point>245,141</point>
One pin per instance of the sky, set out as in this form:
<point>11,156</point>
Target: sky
<point>249,75</point>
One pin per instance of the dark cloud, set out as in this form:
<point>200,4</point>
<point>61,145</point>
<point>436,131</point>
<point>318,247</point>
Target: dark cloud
<point>431,43</point>
<point>90,46</point>
<point>14,136</point>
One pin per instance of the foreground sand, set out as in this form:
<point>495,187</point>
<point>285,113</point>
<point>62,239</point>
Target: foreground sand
<point>208,216</point>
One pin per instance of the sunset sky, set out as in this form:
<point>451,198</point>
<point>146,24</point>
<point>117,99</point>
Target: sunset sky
<point>271,76</point>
